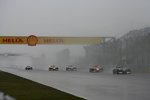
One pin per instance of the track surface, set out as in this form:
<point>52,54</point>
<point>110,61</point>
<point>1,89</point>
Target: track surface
<point>91,86</point>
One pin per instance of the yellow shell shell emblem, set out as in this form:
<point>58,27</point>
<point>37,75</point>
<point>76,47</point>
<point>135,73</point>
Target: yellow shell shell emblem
<point>32,40</point>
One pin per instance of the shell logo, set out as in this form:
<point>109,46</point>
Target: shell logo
<point>32,40</point>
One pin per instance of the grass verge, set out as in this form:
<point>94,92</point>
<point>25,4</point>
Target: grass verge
<point>23,89</point>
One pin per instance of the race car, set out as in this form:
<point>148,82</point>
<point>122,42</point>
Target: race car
<point>71,68</point>
<point>96,68</point>
<point>121,70</point>
<point>28,68</point>
<point>53,68</point>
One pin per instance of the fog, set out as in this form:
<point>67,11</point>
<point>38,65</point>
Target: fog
<point>68,18</point>
<point>73,17</point>
<point>40,56</point>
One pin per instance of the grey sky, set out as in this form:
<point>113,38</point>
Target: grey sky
<point>73,17</point>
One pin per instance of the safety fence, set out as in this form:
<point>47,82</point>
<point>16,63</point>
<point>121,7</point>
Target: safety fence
<point>5,97</point>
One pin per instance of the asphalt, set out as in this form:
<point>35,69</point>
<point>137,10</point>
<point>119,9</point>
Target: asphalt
<point>91,86</point>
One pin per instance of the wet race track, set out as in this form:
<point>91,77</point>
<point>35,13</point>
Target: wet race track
<point>91,86</point>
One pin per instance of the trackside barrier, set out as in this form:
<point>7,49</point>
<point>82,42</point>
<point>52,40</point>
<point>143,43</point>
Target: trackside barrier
<point>5,97</point>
